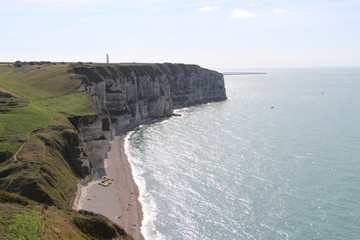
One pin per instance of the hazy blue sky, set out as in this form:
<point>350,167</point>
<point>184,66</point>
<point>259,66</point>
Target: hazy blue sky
<point>214,34</point>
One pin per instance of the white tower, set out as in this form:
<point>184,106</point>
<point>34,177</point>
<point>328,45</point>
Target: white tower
<point>107,58</point>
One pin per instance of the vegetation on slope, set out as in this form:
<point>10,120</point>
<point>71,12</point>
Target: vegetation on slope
<point>21,218</point>
<point>39,93</point>
<point>46,168</point>
<point>38,155</point>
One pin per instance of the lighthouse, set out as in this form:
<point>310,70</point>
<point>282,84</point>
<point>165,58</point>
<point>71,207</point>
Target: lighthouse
<point>107,58</point>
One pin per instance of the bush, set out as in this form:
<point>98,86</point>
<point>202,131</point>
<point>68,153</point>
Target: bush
<point>18,64</point>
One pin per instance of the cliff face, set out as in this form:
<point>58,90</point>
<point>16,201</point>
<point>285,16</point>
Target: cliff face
<point>191,84</point>
<point>125,96</point>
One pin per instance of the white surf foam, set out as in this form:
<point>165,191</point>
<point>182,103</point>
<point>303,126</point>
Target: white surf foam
<point>149,208</point>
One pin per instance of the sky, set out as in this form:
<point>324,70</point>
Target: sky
<point>217,34</point>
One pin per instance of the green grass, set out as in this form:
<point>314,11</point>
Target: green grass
<point>72,104</point>
<point>23,120</point>
<point>19,221</point>
<point>43,91</point>
<point>10,143</point>
<point>46,169</point>
<point>32,82</point>
<point>26,225</point>
<point>21,218</point>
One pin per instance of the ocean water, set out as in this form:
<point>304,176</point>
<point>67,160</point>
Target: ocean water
<point>280,159</point>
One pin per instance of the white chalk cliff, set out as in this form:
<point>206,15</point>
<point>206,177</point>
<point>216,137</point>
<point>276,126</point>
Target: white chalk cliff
<point>125,96</point>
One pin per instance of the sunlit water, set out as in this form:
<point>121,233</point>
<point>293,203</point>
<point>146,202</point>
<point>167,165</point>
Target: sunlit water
<point>280,159</point>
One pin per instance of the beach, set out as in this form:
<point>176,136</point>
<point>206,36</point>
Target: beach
<point>113,192</point>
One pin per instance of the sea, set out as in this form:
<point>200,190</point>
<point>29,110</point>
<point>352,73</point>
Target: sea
<point>279,159</point>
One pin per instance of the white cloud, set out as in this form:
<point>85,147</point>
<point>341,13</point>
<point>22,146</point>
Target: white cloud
<point>208,9</point>
<point>242,13</point>
<point>278,10</point>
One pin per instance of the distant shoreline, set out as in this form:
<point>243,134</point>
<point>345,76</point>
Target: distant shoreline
<point>242,73</point>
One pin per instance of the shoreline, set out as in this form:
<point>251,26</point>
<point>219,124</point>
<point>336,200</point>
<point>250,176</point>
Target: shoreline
<point>113,191</point>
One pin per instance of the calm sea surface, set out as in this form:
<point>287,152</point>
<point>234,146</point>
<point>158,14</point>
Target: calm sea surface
<point>280,159</point>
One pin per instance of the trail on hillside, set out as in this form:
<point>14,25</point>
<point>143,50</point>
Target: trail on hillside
<point>15,155</point>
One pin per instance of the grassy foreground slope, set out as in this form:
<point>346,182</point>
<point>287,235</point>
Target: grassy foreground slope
<point>21,218</point>
<point>37,157</point>
<point>38,150</point>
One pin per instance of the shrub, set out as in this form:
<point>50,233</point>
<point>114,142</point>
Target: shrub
<point>18,64</point>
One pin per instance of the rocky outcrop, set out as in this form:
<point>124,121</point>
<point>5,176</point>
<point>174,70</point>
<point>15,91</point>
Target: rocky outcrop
<point>95,135</point>
<point>125,96</point>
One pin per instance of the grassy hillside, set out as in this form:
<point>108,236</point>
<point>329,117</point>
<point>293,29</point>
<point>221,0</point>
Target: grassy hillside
<point>31,96</point>
<point>21,218</point>
<point>38,151</point>
<point>46,169</point>
<point>37,142</point>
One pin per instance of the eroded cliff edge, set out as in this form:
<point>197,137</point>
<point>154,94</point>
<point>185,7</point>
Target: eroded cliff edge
<point>125,96</point>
